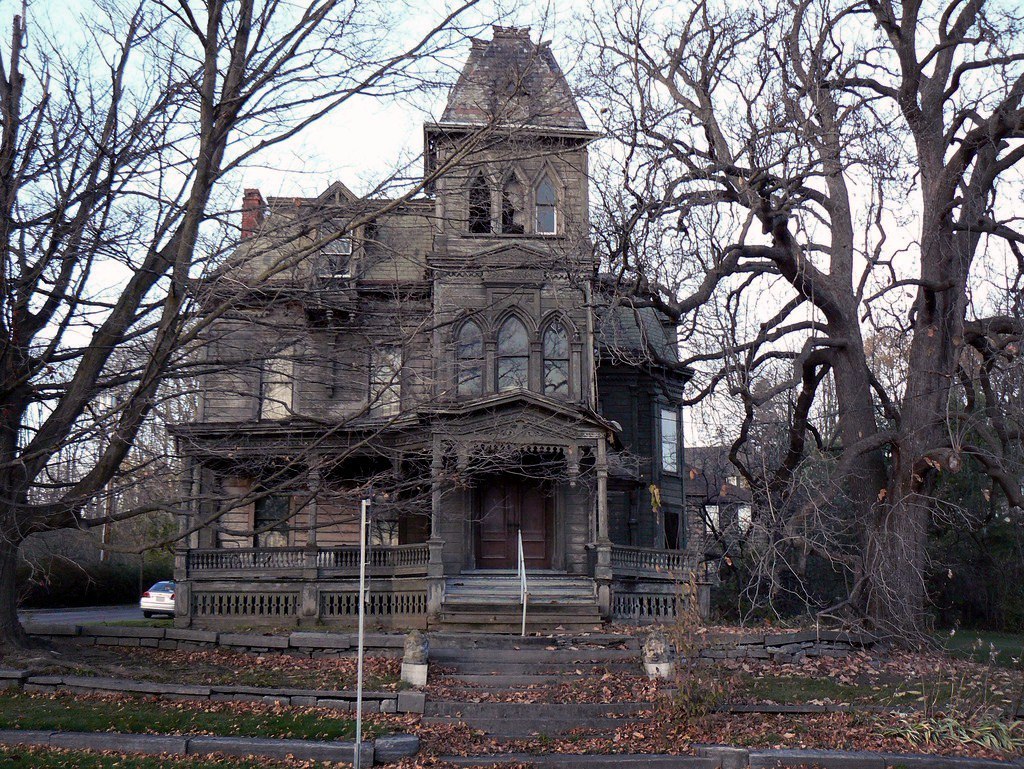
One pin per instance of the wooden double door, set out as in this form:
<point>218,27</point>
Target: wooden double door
<point>504,507</point>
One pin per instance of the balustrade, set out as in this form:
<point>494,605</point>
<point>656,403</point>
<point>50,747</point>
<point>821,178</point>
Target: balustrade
<point>382,561</point>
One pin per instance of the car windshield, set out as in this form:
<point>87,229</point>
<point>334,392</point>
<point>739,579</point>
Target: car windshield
<point>162,587</point>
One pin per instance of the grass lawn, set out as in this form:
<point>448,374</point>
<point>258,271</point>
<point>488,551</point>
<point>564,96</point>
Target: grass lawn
<point>43,758</point>
<point>980,645</point>
<point>137,716</point>
<point>787,690</point>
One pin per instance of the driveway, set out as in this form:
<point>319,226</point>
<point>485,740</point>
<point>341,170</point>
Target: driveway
<point>80,615</point>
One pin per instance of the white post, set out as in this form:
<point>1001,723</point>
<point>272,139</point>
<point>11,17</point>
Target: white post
<point>523,590</point>
<point>364,504</point>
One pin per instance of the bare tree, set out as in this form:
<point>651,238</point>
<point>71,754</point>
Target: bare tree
<point>119,132</point>
<point>852,163</point>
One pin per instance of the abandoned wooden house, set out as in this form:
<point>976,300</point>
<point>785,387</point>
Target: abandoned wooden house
<point>455,358</point>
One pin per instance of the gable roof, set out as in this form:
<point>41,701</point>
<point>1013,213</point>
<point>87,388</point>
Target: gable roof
<point>513,81</point>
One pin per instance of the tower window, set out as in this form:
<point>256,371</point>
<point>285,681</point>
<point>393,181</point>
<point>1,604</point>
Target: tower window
<point>513,355</point>
<point>546,212</point>
<point>556,361</point>
<point>512,208</point>
<point>479,205</point>
<point>469,360</point>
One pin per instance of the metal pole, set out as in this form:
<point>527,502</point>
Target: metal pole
<point>363,505</point>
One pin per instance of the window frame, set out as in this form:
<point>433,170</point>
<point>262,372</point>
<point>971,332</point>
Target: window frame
<point>477,362</point>
<point>280,526</point>
<point>378,402</point>
<point>479,213</point>
<point>556,326</point>
<point>501,357</point>
<point>278,405</point>
<point>663,456</point>
<point>537,206</point>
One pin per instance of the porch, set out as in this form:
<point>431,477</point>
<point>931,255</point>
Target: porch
<point>408,587</point>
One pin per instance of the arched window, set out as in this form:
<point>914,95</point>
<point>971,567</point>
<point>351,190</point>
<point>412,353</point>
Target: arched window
<point>479,205</point>
<point>469,361</point>
<point>512,208</point>
<point>513,355</point>
<point>546,200</point>
<point>556,360</point>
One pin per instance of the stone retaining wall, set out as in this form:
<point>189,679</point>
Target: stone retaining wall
<point>784,647</point>
<point>303,644</point>
<point>373,702</point>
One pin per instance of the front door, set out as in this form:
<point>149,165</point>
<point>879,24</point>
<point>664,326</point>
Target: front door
<point>505,507</point>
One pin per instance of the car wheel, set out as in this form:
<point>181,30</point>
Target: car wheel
<point>147,614</point>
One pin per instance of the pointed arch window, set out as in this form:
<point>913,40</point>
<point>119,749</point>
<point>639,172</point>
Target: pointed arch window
<point>512,207</point>
<point>546,206</point>
<point>479,205</point>
<point>556,361</point>
<point>469,361</point>
<point>513,355</point>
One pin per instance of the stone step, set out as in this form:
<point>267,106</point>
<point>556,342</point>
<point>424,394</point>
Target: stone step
<point>534,709</point>
<point>523,728</point>
<point>532,655</point>
<point>484,641</point>
<point>540,668</point>
<point>585,761</point>
<point>513,628</point>
<point>504,680</point>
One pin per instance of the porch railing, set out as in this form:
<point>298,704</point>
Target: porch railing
<point>398,560</point>
<point>651,562</point>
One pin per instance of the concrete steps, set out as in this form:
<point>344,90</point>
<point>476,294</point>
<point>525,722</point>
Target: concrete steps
<point>490,601</point>
<point>515,720</point>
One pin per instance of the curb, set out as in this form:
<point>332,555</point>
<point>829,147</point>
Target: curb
<point>725,757</point>
<point>380,751</point>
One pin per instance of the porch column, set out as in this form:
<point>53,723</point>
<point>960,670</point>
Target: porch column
<point>435,545</point>
<point>186,520</point>
<point>309,610</point>
<point>603,548</point>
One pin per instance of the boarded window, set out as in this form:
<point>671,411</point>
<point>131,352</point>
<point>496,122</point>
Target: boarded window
<point>276,388</point>
<point>469,355</point>
<point>385,396</point>
<point>556,361</point>
<point>513,355</point>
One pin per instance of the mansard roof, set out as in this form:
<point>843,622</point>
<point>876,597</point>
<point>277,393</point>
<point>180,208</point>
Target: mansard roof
<point>511,80</point>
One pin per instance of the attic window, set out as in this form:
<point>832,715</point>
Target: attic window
<point>479,205</point>
<point>337,257</point>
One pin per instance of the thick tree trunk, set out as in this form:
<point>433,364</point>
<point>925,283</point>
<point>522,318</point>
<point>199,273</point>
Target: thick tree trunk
<point>11,632</point>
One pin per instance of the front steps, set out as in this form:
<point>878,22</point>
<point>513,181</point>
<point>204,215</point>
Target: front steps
<point>474,679</point>
<point>489,601</point>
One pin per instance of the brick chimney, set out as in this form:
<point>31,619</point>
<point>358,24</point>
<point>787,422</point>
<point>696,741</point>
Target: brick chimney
<point>253,208</point>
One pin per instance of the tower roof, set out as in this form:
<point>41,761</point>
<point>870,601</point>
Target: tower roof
<point>513,81</point>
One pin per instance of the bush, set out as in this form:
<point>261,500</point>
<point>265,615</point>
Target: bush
<point>57,582</point>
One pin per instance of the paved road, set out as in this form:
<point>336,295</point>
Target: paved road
<point>82,615</point>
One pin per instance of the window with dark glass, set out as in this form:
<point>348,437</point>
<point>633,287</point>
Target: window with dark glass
<point>479,205</point>
<point>270,521</point>
<point>670,440</point>
<point>469,358</point>
<point>512,208</point>
<point>546,201</point>
<point>556,360</point>
<point>513,355</point>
